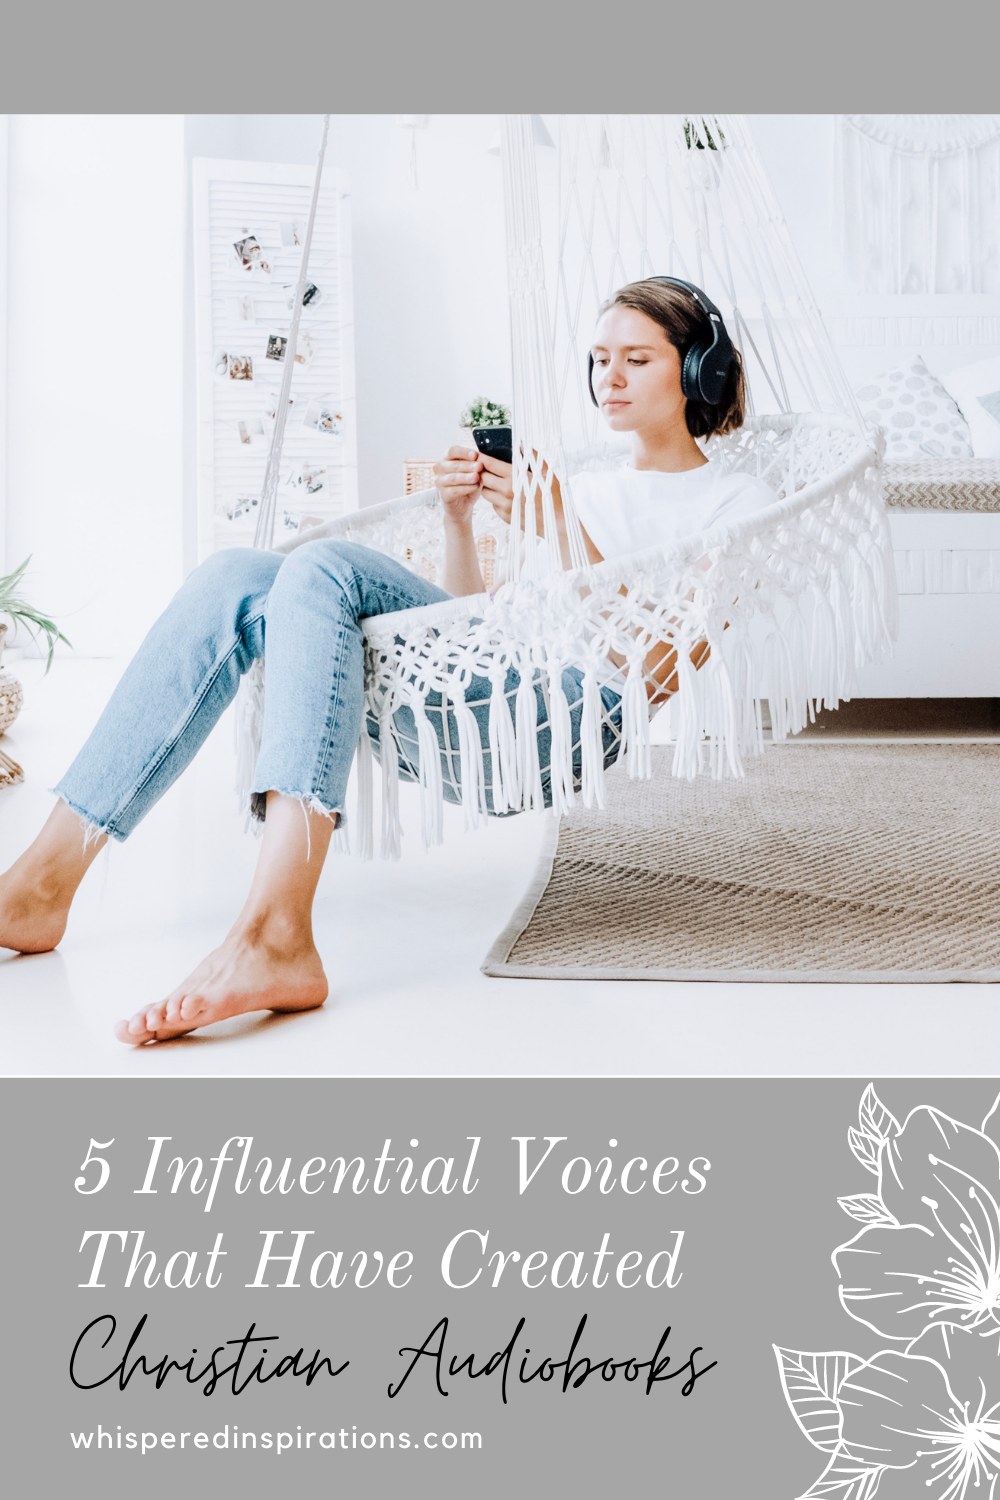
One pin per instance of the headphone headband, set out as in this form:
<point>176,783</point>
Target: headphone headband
<point>706,366</point>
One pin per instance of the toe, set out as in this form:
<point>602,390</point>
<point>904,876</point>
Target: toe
<point>194,1009</point>
<point>172,1009</point>
<point>132,1036</point>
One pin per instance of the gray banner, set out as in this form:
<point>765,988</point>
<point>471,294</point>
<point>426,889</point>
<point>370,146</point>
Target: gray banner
<point>609,1321</point>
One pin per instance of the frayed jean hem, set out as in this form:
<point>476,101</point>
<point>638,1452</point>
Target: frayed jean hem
<point>309,801</point>
<point>91,831</point>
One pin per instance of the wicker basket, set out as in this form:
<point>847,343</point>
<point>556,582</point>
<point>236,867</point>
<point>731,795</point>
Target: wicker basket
<point>11,700</point>
<point>11,692</point>
<point>418,474</point>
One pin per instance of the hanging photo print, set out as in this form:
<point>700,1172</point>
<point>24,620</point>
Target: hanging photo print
<point>276,346</point>
<point>312,296</point>
<point>293,233</point>
<point>250,433</point>
<point>322,416</point>
<point>310,477</point>
<point>233,366</point>
<point>241,310</point>
<point>270,411</point>
<point>238,509</point>
<point>251,258</point>
<point>305,349</point>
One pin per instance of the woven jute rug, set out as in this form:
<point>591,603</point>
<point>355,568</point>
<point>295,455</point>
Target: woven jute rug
<point>840,863</point>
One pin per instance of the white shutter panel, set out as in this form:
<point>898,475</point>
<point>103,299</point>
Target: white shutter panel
<point>319,468</point>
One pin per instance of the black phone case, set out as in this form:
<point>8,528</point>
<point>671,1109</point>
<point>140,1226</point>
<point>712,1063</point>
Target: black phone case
<point>496,441</point>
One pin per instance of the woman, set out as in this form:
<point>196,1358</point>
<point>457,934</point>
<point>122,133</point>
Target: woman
<point>308,606</point>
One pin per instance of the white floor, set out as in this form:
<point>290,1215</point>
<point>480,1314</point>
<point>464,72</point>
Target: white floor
<point>402,944</point>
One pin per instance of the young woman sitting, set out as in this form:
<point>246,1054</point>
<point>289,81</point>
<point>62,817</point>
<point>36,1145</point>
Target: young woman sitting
<point>306,609</point>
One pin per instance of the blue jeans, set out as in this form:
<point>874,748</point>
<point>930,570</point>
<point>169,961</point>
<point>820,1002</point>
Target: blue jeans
<point>305,609</point>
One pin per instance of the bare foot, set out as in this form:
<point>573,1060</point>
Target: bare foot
<point>243,975</point>
<point>32,915</point>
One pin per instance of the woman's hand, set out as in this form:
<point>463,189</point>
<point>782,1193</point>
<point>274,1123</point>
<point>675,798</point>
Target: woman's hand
<point>458,479</point>
<point>498,485</point>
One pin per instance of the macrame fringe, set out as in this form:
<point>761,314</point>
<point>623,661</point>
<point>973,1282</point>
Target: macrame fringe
<point>431,782</point>
<point>506,785</point>
<point>366,796</point>
<point>470,749</point>
<point>592,741</point>
<point>560,743</point>
<point>249,724</point>
<point>529,772</point>
<point>635,724</point>
<point>392,832</point>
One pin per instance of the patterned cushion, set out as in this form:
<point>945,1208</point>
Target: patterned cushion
<point>976,388</point>
<point>921,420</point>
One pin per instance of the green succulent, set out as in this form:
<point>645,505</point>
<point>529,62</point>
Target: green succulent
<point>22,613</point>
<point>484,413</point>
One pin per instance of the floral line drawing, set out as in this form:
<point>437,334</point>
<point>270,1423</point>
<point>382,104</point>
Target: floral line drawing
<point>922,1416</point>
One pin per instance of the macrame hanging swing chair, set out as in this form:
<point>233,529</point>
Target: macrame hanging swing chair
<point>794,599</point>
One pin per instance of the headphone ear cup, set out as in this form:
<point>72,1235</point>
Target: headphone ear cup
<point>704,372</point>
<point>713,371</point>
<point>691,373</point>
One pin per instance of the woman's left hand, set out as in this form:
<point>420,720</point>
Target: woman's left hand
<point>498,485</point>
<point>458,478</point>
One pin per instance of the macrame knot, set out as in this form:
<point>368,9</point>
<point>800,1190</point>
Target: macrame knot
<point>525,269</point>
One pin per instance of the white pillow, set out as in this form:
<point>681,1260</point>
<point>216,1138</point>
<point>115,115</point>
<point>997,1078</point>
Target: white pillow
<point>919,415</point>
<point>976,388</point>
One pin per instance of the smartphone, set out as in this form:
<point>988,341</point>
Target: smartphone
<point>495,441</point>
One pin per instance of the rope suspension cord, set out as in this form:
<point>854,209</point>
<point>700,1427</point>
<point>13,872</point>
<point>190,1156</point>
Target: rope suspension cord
<point>537,439</point>
<point>264,533</point>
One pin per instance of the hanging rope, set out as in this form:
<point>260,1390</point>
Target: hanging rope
<point>264,533</point>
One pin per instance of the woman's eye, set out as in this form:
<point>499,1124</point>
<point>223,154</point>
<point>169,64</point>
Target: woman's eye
<point>638,361</point>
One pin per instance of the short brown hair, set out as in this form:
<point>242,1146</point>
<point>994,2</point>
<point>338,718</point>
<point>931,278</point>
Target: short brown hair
<point>685,322</point>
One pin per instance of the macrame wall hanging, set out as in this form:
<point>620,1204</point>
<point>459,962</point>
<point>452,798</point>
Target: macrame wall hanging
<point>918,202</point>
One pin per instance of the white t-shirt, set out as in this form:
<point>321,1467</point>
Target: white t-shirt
<point>627,510</point>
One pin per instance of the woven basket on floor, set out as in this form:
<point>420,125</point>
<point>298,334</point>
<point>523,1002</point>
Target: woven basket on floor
<point>11,692</point>
<point>11,699</point>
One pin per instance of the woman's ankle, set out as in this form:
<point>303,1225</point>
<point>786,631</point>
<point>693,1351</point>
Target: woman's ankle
<point>43,879</point>
<point>279,931</point>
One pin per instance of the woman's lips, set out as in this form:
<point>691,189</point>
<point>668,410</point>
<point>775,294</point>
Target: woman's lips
<point>614,405</point>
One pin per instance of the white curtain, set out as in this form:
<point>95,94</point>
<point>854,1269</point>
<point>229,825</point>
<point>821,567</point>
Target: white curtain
<point>919,202</point>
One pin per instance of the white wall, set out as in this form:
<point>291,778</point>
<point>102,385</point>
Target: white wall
<point>94,366</point>
<point>798,152</point>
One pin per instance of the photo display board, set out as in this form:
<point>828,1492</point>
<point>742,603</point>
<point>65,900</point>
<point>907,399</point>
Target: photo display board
<point>249,226</point>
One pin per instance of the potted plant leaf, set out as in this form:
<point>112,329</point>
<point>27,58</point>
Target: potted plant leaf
<point>15,610</point>
<point>490,425</point>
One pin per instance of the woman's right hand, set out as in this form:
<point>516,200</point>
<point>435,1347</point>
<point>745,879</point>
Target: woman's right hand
<point>458,480</point>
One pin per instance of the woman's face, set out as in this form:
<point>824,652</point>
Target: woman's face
<point>637,372</point>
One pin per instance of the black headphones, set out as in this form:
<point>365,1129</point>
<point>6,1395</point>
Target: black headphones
<point>706,366</point>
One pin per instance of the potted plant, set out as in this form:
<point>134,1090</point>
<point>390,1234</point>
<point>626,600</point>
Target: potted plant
<point>698,137</point>
<point>15,610</point>
<point>490,425</point>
